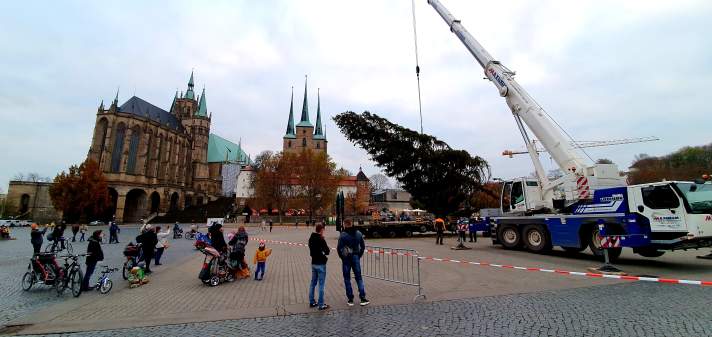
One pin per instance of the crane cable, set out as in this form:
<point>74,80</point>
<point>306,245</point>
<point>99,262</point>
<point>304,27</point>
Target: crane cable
<point>417,66</point>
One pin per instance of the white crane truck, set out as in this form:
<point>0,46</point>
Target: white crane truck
<point>539,213</point>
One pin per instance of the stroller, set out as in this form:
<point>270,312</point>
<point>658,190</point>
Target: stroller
<point>215,269</point>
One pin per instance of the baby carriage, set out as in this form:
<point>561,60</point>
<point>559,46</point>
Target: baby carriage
<point>215,269</point>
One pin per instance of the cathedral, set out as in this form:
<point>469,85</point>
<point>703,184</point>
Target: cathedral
<point>157,161</point>
<point>306,135</point>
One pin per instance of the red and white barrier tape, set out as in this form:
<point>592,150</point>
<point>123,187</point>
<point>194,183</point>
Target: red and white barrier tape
<point>506,266</point>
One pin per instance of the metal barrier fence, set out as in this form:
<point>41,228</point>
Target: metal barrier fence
<point>397,265</point>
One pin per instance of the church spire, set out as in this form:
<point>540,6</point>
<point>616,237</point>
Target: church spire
<point>173,105</point>
<point>290,123</point>
<point>202,109</point>
<point>318,132</point>
<point>189,93</point>
<point>304,121</point>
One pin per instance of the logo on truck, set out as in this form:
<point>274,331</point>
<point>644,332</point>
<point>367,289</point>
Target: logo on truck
<point>496,77</point>
<point>708,218</point>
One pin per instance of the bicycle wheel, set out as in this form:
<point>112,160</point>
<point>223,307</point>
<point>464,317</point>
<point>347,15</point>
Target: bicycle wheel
<point>28,280</point>
<point>106,286</point>
<point>60,283</point>
<point>75,281</point>
<point>125,271</point>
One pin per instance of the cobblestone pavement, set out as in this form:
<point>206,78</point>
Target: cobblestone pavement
<point>632,309</point>
<point>15,256</point>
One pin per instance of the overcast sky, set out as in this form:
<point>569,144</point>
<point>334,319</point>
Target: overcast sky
<point>603,69</point>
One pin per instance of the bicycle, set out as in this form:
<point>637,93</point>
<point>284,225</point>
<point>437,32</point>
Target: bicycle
<point>104,283</point>
<point>71,276</point>
<point>56,246</point>
<point>43,269</point>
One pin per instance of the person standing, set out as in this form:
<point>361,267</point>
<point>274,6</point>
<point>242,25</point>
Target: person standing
<point>75,230</point>
<point>350,249</point>
<point>270,225</point>
<point>260,260</point>
<point>114,231</point>
<point>94,255</point>
<point>37,237</point>
<point>318,249</point>
<point>57,236</point>
<point>471,229</point>
<point>439,230</point>
<point>82,232</point>
<point>262,225</point>
<point>148,241</point>
<point>217,238</point>
<point>162,243</point>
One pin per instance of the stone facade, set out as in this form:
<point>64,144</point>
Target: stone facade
<point>156,161</point>
<point>31,200</point>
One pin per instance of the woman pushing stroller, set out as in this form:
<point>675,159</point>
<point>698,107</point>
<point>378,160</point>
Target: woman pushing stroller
<point>238,244</point>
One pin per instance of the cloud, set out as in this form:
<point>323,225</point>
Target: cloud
<point>603,69</point>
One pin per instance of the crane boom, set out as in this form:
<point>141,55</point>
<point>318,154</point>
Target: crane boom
<point>527,111</point>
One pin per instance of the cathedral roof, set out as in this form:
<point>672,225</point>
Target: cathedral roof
<point>202,109</point>
<point>141,108</point>
<point>221,150</point>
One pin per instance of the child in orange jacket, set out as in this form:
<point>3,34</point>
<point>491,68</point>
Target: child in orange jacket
<point>260,260</point>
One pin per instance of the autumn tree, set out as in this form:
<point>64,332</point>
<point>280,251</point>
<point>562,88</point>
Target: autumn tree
<point>688,163</point>
<point>437,176</point>
<point>487,197</point>
<point>81,193</point>
<point>273,181</point>
<point>318,180</point>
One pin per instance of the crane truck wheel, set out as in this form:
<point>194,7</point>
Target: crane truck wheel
<point>375,234</point>
<point>536,239</point>
<point>509,236</point>
<point>595,245</point>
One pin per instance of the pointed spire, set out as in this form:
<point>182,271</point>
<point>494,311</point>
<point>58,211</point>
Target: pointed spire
<point>290,123</point>
<point>116,99</point>
<point>174,101</point>
<point>101,106</point>
<point>189,93</point>
<point>202,109</point>
<point>318,132</point>
<point>304,121</point>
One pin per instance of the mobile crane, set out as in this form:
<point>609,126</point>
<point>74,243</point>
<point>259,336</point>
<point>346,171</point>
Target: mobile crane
<point>538,213</point>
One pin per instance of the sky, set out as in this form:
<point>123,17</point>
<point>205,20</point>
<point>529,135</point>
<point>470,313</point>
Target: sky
<point>603,69</point>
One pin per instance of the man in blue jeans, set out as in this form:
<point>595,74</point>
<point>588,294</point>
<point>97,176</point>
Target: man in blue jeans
<point>350,248</point>
<point>318,249</point>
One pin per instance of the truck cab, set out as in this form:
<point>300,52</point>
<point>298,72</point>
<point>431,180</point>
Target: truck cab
<point>678,213</point>
<point>520,196</point>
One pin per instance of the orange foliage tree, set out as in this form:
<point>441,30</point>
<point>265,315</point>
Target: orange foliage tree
<point>81,193</point>
<point>487,197</point>
<point>688,163</point>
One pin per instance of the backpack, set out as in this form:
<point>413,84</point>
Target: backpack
<point>348,251</point>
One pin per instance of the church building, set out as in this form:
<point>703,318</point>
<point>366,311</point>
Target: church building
<point>306,135</point>
<point>157,161</point>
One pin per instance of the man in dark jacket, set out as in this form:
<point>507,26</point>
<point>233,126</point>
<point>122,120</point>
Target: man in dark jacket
<point>94,255</point>
<point>75,230</point>
<point>36,237</point>
<point>114,232</point>
<point>148,241</point>
<point>57,236</point>
<point>350,248</point>
<point>318,249</point>
<point>217,238</point>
